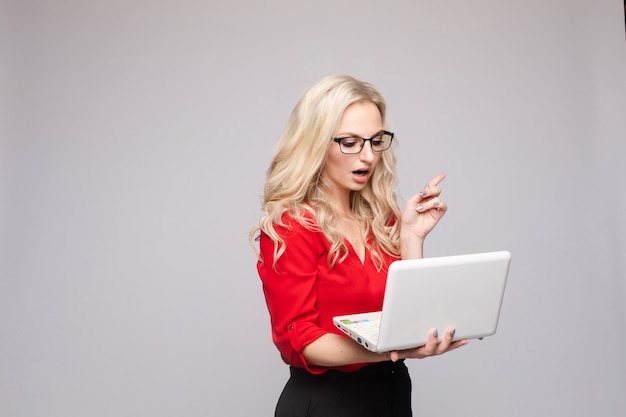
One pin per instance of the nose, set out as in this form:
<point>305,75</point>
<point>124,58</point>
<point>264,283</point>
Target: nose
<point>367,154</point>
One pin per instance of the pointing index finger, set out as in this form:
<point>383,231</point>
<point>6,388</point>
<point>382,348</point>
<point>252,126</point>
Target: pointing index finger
<point>436,180</point>
<point>432,184</point>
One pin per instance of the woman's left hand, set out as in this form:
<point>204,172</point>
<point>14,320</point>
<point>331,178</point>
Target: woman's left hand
<point>433,347</point>
<point>421,214</point>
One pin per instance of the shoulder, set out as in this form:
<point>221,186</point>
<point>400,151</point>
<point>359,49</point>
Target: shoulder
<point>292,225</point>
<point>292,240</point>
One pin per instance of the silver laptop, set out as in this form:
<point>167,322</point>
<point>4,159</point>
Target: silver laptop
<point>462,292</point>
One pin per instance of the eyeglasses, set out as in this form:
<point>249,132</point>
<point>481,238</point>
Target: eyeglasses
<point>354,144</point>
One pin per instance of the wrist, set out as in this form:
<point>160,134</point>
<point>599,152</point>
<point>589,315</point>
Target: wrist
<point>411,247</point>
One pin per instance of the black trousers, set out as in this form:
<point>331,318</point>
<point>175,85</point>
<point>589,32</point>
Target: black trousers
<point>380,390</point>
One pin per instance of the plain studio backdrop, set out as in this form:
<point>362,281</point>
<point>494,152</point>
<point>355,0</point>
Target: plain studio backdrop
<point>135,141</point>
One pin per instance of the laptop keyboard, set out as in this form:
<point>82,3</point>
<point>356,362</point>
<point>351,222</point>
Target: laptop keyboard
<point>368,329</point>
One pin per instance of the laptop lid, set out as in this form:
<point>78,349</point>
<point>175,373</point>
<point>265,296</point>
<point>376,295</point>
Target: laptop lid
<point>463,292</point>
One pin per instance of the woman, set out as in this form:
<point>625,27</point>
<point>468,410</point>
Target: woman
<point>330,230</point>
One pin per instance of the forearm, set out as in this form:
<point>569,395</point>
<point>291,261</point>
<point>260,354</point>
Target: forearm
<point>335,350</point>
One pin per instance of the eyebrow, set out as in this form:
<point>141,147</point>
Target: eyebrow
<point>354,135</point>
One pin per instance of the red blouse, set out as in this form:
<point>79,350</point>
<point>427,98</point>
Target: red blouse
<point>303,293</point>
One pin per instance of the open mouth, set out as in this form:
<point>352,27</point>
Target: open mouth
<point>361,173</point>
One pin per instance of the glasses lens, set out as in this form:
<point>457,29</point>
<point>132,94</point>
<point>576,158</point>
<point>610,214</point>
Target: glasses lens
<point>351,145</point>
<point>381,142</point>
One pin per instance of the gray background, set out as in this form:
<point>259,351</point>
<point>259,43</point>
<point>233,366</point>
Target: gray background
<point>135,140</point>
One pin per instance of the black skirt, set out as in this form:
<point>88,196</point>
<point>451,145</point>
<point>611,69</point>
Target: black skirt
<point>381,390</point>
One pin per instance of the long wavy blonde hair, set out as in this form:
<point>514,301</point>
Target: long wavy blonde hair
<point>294,183</point>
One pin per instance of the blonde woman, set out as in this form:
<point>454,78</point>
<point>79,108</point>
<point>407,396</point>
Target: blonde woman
<point>330,229</point>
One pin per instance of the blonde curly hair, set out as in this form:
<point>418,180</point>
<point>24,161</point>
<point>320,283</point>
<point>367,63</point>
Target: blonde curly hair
<point>295,186</point>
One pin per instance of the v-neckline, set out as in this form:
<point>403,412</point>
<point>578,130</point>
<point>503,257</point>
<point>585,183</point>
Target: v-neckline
<point>358,256</point>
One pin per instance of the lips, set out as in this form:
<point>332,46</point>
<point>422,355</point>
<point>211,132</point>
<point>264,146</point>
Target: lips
<point>361,176</point>
<point>361,172</point>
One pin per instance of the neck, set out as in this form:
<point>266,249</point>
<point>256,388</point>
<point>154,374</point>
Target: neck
<point>343,199</point>
<point>341,202</point>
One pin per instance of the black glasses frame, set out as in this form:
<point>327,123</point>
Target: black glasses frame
<point>384,132</point>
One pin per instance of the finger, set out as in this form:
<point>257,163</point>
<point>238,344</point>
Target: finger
<point>432,188</point>
<point>458,344</point>
<point>432,204</point>
<point>418,201</point>
<point>394,356</point>
<point>446,343</point>
<point>437,179</point>
<point>430,348</point>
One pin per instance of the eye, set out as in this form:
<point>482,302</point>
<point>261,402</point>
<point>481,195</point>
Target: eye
<point>349,142</point>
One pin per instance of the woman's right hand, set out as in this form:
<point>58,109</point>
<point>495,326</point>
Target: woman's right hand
<point>421,214</point>
<point>433,347</point>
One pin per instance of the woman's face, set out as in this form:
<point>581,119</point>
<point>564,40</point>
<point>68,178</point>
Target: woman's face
<point>350,172</point>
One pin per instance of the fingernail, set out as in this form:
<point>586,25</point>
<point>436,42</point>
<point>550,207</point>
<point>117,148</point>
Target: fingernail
<point>435,334</point>
<point>423,193</point>
<point>452,332</point>
<point>419,208</point>
<point>436,204</point>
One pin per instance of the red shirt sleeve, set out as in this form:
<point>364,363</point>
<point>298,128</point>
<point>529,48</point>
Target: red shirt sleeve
<point>291,291</point>
<point>303,292</point>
